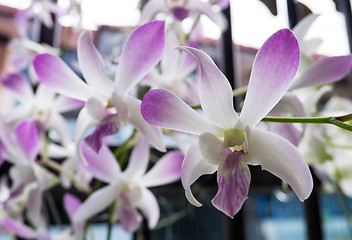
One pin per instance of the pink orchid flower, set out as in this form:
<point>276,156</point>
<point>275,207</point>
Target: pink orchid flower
<point>228,142</point>
<point>108,103</point>
<point>128,189</point>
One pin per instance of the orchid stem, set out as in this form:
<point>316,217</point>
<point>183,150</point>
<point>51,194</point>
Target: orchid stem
<point>240,90</point>
<point>57,167</point>
<point>337,121</point>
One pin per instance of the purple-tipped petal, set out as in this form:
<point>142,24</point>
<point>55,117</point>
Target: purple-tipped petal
<point>150,207</point>
<point>151,133</point>
<point>71,204</point>
<point>164,109</point>
<point>139,159</point>
<point>55,74</point>
<point>102,165</point>
<point>92,64</point>
<point>27,136</point>
<point>95,203</point>
<point>141,53</point>
<point>274,68</point>
<point>215,91</point>
<point>234,178</point>
<point>17,83</point>
<point>324,71</point>
<point>18,228</point>
<point>166,170</point>
<point>65,104</point>
<point>193,167</point>
<point>280,157</point>
<point>288,131</point>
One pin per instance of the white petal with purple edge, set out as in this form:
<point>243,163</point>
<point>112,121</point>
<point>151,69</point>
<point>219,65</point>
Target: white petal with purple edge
<point>324,71</point>
<point>150,207</point>
<point>166,170</point>
<point>215,93</point>
<point>142,52</point>
<point>55,74</point>
<point>92,64</point>
<point>18,228</point>
<point>65,104</point>
<point>164,109</point>
<point>139,159</point>
<point>71,204</point>
<point>95,203</point>
<point>193,167</point>
<point>28,139</point>
<point>18,83</point>
<point>280,157</point>
<point>103,165</point>
<point>274,68</point>
<point>151,133</point>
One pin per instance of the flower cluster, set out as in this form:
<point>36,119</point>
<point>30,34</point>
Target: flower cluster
<point>186,98</point>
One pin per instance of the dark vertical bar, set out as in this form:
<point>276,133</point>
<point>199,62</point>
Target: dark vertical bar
<point>234,227</point>
<point>292,13</point>
<point>312,213</point>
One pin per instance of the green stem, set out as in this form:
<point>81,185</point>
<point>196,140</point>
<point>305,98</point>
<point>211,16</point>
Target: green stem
<point>345,207</point>
<point>337,121</point>
<point>111,220</point>
<point>240,90</point>
<point>57,167</point>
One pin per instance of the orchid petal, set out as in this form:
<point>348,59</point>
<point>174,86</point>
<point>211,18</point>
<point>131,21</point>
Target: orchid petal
<point>139,159</point>
<point>212,149</point>
<point>233,184</point>
<point>129,218</point>
<point>289,104</point>
<point>303,26</point>
<point>215,91</point>
<point>65,104</point>
<point>34,207</point>
<point>55,74</point>
<point>109,126</point>
<point>151,133</point>
<point>164,109</point>
<point>278,156</point>
<point>44,95</point>
<point>21,175</point>
<point>18,228</point>
<point>28,139</point>
<point>142,52</point>
<point>324,71</point>
<point>151,8</point>
<point>274,68</point>
<point>193,167</point>
<point>95,203</point>
<point>84,122</point>
<point>92,64</point>
<point>17,83</point>
<point>102,165</point>
<point>58,123</point>
<point>203,7</point>
<point>71,204</point>
<point>289,131</point>
<point>45,178</point>
<point>166,170</point>
<point>150,207</point>
<point>170,58</point>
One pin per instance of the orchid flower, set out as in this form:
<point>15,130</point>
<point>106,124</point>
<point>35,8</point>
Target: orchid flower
<point>311,75</point>
<point>128,189</point>
<point>175,70</point>
<point>181,9</point>
<point>43,106</point>
<point>22,150</point>
<point>107,103</point>
<point>228,142</point>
